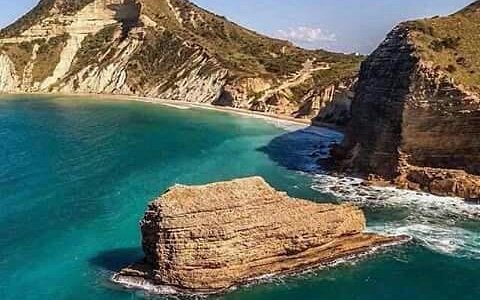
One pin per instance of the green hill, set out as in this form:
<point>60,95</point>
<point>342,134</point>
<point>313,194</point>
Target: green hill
<point>170,49</point>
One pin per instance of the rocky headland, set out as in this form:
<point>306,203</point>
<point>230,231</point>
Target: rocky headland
<point>416,112</point>
<point>207,239</point>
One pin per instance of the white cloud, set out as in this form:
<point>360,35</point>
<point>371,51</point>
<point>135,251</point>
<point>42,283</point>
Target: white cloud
<point>306,35</point>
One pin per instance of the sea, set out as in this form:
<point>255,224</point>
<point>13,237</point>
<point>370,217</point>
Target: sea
<point>76,174</point>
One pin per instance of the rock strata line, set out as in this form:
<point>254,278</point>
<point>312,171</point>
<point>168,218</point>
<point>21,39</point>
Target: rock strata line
<point>207,239</point>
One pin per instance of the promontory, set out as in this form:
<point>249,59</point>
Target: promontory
<point>416,112</point>
<point>207,239</point>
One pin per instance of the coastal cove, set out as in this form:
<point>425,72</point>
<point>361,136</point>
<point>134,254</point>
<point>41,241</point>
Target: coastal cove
<point>76,174</point>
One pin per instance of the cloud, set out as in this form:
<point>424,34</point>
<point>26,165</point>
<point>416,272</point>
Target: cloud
<point>306,35</point>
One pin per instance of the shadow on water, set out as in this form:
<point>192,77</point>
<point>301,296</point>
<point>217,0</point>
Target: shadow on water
<point>301,150</point>
<point>114,260</point>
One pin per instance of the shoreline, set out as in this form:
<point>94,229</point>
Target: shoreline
<point>275,118</point>
<point>284,122</point>
<point>147,286</point>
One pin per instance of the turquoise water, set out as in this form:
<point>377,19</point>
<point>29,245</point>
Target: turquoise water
<point>77,174</point>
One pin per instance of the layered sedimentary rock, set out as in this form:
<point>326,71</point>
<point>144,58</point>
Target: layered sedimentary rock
<point>167,49</point>
<point>206,239</point>
<point>416,111</point>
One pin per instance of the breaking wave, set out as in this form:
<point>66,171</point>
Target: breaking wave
<point>442,224</point>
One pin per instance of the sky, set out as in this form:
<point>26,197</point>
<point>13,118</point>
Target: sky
<point>337,25</point>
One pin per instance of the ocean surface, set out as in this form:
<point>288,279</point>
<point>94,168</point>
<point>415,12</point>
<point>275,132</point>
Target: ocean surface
<point>76,175</point>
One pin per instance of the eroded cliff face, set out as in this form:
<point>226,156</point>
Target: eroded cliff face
<point>167,49</point>
<point>206,239</point>
<point>332,105</point>
<point>413,122</point>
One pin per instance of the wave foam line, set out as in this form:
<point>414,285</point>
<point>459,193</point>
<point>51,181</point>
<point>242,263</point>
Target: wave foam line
<point>436,222</point>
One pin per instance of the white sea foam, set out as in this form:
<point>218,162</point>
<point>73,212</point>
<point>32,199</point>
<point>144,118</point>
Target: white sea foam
<point>450,240</point>
<point>286,125</point>
<point>436,222</point>
<point>421,204</point>
<point>181,107</point>
<point>446,225</point>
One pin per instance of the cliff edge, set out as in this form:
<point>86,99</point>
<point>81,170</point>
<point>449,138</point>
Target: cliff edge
<point>416,112</point>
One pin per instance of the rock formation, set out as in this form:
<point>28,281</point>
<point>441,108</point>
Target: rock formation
<point>206,239</point>
<point>416,111</point>
<point>167,49</point>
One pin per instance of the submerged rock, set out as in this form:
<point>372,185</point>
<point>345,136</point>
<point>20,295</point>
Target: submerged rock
<point>206,239</point>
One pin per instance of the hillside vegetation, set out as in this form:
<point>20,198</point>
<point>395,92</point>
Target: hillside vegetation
<point>452,43</point>
<point>244,52</point>
<point>40,11</point>
<point>169,49</point>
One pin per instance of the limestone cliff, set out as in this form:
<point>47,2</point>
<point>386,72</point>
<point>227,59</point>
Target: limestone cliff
<point>206,239</point>
<point>168,49</point>
<point>416,111</point>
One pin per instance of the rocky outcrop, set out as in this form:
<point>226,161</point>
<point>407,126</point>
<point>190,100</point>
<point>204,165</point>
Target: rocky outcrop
<point>332,105</point>
<point>446,182</point>
<point>206,239</point>
<point>8,78</point>
<point>170,50</point>
<point>413,121</point>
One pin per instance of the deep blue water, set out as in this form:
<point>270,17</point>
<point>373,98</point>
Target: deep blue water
<point>76,175</point>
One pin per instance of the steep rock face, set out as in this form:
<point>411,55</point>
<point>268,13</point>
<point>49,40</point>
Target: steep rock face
<point>416,115</point>
<point>168,49</point>
<point>206,239</point>
<point>9,81</point>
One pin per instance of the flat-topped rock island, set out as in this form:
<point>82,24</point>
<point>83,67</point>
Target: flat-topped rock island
<point>207,239</point>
